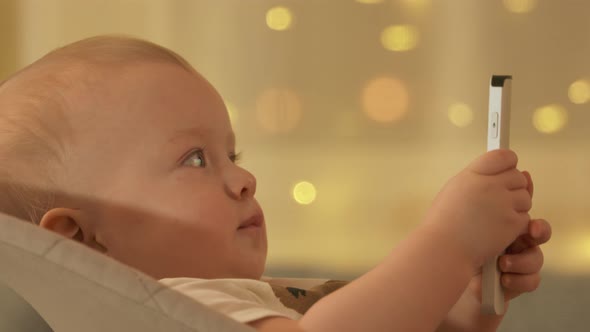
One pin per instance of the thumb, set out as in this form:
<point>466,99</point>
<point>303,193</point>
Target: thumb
<point>494,162</point>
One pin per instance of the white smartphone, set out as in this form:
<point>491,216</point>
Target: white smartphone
<point>492,294</point>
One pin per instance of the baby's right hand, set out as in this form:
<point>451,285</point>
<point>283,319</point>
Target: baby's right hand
<point>485,207</point>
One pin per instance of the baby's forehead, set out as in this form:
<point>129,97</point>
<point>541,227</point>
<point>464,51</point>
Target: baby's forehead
<point>87,92</point>
<point>152,92</point>
<point>80,84</point>
<point>47,81</point>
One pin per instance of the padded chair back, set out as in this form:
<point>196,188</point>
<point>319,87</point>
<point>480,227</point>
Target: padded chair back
<point>51,282</point>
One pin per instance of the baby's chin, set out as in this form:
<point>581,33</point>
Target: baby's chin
<point>251,270</point>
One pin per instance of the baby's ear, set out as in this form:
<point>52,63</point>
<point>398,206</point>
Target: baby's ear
<point>63,221</point>
<point>69,223</point>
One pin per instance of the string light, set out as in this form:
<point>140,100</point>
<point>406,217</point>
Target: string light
<point>304,193</point>
<point>550,119</point>
<point>385,99</point>
<point>399,38</point>
<point>579,92</point>
<point>279,18</point>
<point>520,6</point>
<point>460,115</point>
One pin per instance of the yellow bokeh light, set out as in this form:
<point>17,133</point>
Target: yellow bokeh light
<point>369,2</point>
<point>232,112</point>
<point>579,92</point>
<point>385,99</point>
<point>550,119</point>
<point>584,249</point>
<point>574,251</point>
<point>520,6</point>
<point>279,18</point>
<point>416,5</point>
<point>399,38</point>
<point>278,110</point>
<point>460,115</point>
<point>304,192</point>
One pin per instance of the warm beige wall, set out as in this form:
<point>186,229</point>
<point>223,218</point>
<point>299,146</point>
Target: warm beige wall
<point>374,180</point>
<point>8,38</point>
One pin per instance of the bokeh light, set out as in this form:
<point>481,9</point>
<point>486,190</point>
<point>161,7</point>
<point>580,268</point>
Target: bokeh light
<point>550,119</point>
<point>279,18</point>
<point>416,6</point>
<point>574,251</point>
<point>520,6</point>
<point>399,38</point>
<point>278,110</point>
<point>579,92</point>
<point>304,192</point>
<point>460,114</point>
<point>584,248</point>
<point>385,99</point>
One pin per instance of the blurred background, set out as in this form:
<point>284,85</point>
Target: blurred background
<point>353,113</point>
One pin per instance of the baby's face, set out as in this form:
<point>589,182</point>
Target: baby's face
<point>157,141</point>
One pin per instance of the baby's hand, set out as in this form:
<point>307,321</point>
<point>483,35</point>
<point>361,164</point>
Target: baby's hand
<point>521,273</point>
<point>522,263</point>
<point>485,207</point>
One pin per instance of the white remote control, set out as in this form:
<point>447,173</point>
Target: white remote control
<point>492,294</point>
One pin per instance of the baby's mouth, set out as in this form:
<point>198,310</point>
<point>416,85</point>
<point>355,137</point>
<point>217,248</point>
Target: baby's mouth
<point>254,221</point>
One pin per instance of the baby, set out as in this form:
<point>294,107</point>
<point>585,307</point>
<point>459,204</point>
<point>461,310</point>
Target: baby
<point>127,149</point>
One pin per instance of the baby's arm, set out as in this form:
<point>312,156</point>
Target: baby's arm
<point>478,214</point>
<point>411,290</point>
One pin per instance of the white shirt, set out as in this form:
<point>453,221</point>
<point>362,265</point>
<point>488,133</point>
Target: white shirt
<point>244,300</point>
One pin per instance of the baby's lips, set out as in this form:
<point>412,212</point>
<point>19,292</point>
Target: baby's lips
<point>255,220</point>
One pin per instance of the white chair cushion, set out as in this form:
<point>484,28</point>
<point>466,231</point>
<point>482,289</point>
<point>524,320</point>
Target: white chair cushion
<point>77,289</point>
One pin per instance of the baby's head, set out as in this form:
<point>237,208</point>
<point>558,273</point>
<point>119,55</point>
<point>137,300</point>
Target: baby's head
<point>122,145</point>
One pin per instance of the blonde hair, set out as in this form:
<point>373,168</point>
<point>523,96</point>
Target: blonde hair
<point>34,128</point>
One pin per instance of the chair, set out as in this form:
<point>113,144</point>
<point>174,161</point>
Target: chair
<point>51,283</point>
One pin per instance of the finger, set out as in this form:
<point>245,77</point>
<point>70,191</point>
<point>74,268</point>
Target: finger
<point>494,162</point>
<point>521,243</point>
<point>538,232</point>
<point>529,261</point>
<point>522,201</point>
<point>520,220</point>
<point>514,179</point>
<point>520,283</point>
<point>529,179</point>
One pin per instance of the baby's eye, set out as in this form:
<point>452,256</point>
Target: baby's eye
<point>195,159</point>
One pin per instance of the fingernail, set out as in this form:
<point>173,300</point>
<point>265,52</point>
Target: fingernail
<point>535,231</point>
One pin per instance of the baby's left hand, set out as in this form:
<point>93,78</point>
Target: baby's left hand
<point>521,272</point>
<point>522,262</point>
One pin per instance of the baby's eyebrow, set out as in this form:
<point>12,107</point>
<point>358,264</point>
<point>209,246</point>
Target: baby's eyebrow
<point>186,133</point>
<point>197,133</point>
